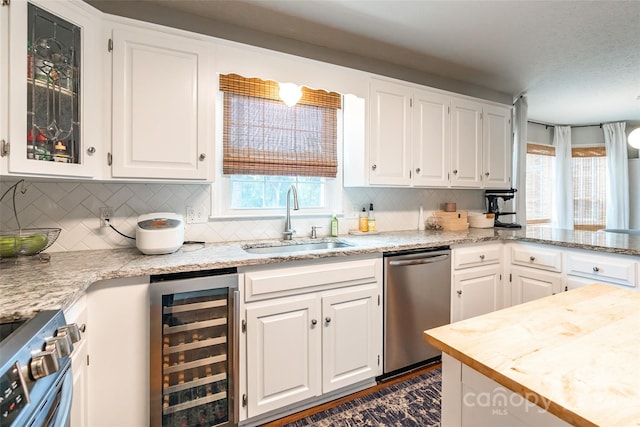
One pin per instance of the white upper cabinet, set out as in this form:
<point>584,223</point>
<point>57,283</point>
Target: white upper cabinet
<point>162,112</point>
<point>51,106</point>
<point>390,146</point>
<point>420,137</point>
<point>466,143</point>
<point>496,147</point>
<point>431,134</point>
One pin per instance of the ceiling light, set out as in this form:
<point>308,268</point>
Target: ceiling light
<point>634,138</point>
<point>290,93</point>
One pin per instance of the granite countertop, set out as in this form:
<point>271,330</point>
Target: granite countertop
<point>576,352</point>
<point>28,286</point>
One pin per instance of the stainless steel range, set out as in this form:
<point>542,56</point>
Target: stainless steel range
<point>36,384</point>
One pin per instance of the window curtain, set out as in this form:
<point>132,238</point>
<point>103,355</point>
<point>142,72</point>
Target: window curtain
<point>562,214</point>
<point>520,158</point>
<point>617,175</point>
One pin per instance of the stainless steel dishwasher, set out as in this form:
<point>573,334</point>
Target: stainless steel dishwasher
<point>417,296</point>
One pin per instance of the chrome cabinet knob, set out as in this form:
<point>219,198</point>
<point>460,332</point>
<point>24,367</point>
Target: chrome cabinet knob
<point>596,269</point>
<point>532,258</point>
<point>482,256</point>
<point>314,322</point>
<point>459,292</point>
<point>486,174</point>
<point>43,364</point>
<point>417,170</point>
<point>455,171</point>
<point>327,319</point>
<point>91,150</point>
<point>202,156</point>
<point>374,167</point>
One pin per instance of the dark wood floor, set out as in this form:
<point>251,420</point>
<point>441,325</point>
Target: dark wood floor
<point>303,414</point>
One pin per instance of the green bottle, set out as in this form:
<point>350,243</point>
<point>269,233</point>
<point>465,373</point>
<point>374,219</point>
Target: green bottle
<point>334,226</point>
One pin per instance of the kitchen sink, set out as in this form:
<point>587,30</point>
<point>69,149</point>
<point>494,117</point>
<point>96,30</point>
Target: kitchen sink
<point>279,248</point>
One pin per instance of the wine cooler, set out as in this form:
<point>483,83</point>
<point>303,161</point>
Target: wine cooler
<point>193,349</point>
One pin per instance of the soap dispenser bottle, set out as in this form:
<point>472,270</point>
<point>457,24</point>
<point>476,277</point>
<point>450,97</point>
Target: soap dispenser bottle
<point>372,218</point>
<point>334,226</point>
<point>363,225</point>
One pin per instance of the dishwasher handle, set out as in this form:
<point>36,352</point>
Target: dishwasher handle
<point>418,261</point>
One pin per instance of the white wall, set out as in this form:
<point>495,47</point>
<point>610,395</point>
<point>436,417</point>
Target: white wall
<point>74,207</point>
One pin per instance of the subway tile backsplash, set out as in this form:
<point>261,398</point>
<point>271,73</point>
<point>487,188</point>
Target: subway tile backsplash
<point>74,207</point>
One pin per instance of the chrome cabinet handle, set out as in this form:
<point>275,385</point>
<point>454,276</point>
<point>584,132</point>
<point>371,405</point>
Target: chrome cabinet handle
<point>486,174</point>
<point>532,258</point>
<point>327,319</point>
<point>596,269</point>
<point>417,170</point>
<point>374,167</point>
<point>202,156</point>
<point>482,256</point>
<point>314,322</point>
<point>455,171</point>
<point>91,150</point>
<point>459,292</point>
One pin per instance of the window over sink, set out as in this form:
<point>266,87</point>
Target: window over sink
<point>268,146</point>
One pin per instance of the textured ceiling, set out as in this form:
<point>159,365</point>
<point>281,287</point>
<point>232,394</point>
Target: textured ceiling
<point>578,61</point>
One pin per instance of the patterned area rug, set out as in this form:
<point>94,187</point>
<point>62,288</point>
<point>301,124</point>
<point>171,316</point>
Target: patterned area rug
<point>414,402</point>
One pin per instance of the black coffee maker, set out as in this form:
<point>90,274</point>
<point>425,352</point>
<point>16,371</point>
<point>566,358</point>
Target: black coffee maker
<point>493,206</point>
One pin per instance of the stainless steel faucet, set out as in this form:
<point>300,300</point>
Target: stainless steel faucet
<point>288,232</point>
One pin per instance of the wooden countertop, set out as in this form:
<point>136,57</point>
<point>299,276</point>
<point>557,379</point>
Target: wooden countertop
<point>577,352</point>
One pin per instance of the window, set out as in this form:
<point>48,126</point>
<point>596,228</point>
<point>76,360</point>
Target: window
<point>588,181</point>
<point>540,176</point>
<point>267,146</point>
<point>589,186</point>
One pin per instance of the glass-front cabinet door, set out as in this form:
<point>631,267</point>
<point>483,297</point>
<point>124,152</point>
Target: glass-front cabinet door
<point>55,88</point>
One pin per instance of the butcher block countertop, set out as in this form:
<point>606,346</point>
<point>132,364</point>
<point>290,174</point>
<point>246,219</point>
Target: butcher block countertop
<point>577,352</point>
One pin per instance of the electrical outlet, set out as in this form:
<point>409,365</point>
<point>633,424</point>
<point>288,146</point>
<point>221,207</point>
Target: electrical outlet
<point>105,214</point>
<point>195,215</point>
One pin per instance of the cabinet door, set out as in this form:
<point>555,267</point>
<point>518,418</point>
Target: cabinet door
<point>54,114</point>
<point>390,116</point>
<point>466,143</point>
<point>162,126</point>
<point>477,291</point>
<point>430,136</point>
<point>528,284</point>
<point>496,152</point>
<point>77,313</point>
<point>351,339</point>
<point>283,352</point>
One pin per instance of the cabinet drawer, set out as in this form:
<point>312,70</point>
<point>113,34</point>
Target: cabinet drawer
<point>276,282</point>
<point>476,256</point>
<point>600,268</point>
<point>542,258</point>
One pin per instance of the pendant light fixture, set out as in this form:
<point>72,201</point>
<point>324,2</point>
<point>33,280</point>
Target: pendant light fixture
<point>290,93</point>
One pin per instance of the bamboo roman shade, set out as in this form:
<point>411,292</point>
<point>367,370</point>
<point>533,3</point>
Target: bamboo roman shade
<point>262,136</point>
<point>543,150</point>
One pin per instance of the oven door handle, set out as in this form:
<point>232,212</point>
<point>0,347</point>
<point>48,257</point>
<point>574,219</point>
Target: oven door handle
<point>425,260</point>
<point>63,412</point>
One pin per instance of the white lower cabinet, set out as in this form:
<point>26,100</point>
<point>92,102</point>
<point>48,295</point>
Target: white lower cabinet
<point>528,284</point>
<point>471,399</point>
<point>283,352</point>
<point>77,313</point>
<point>477,284</point>
<point>477,291</point>
<point>306,345</point>
<point>118,318</point>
